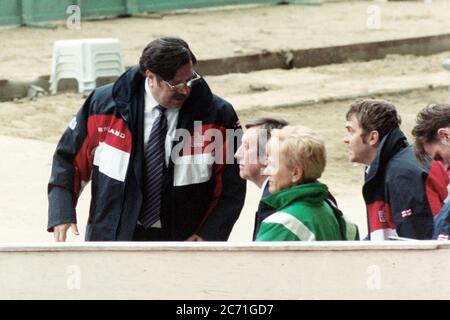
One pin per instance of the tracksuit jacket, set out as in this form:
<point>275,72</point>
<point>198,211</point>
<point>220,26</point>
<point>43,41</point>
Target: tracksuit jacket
<point>202,191</point>
<point>399,191</point>
<point>349,230</point>
<point>302,214</point>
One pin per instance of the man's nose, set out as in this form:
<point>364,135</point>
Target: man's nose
<point>345,139</point>
<point>237,155</point>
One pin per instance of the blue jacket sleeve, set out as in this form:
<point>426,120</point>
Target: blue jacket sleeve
<point>442,223</point>
<point>67,175</point>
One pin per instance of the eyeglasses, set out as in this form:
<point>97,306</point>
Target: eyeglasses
<point>188,83</point>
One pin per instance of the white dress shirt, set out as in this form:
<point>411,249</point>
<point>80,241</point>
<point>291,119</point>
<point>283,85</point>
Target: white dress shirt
<point>150,115</point>
<point>263,186</point>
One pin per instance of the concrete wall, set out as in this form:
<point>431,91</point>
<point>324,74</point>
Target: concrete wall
<point>312,57</point>
<point>326,270</point>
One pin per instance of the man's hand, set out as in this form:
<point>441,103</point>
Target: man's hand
<point>195,237</point>
<point>60,231</point>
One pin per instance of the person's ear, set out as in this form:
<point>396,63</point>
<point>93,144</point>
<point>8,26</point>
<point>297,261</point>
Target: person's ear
<point>151,77</point>
<point>374,138</point>
<point>297,175</point>
<point>444,135</point>
<point>262,159</point>
<point>266,171</point>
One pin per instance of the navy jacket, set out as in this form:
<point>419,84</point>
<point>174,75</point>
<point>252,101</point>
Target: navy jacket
<point>203,192</point>
<point>264,210</point>
<point>395,192</point>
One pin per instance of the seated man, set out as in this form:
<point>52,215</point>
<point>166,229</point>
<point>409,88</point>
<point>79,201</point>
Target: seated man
<point>432,139</point>
<point>296,159</point>
<point>398,189</point>
<point>252,158</point>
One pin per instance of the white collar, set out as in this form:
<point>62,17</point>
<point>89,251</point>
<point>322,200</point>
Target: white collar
<point>151,100</point>
<point>263,186</point>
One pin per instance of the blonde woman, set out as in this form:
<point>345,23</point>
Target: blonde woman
<point>296,159</point>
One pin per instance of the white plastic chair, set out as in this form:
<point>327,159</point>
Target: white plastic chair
<point>85,60</point>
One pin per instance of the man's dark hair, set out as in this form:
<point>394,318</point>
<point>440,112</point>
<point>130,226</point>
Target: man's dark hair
<point>376,115</point>
<point>428,122</point>
<point>267,125</point>
<point>164,56</point>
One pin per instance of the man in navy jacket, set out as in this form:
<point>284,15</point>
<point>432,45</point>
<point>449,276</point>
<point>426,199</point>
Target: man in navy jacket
<point>398,189</point>
<point>201,194</point>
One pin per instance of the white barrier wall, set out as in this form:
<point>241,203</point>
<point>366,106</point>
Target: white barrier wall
<point>325,270</point>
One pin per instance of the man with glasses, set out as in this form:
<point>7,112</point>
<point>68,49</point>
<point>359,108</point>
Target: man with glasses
<point>155,145</point>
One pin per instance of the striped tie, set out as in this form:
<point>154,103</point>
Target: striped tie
<point>154,159</point>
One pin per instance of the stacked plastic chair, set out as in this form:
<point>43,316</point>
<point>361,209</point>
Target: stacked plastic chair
<point>85,60</point>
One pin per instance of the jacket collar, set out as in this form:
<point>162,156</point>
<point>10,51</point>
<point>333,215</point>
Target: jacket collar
<point>314,192</point>
<point>126,85</point>
<point>392,143</point>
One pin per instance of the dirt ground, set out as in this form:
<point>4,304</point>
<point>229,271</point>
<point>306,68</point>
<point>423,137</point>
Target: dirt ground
<point>25,53</point>
<point>28,173</point>
<point>276,87</point>
<point>45,118</point>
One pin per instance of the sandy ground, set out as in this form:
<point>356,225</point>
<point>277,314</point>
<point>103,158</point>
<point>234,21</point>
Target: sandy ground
<point>24,172</point>
<point>25,164</point>
<point>255,90</point>
<point>276,87</point>
<point>26,52</point>
<point>31,127</point>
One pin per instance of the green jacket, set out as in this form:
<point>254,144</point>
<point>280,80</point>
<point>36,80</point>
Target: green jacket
<point>302,215</point>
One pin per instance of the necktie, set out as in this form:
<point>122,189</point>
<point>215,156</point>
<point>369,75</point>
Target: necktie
<point>154,159</point>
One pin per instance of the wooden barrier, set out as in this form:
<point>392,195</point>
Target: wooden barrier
<point>321,270</point>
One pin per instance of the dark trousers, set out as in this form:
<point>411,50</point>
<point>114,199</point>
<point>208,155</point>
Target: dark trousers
<point>150,234</point>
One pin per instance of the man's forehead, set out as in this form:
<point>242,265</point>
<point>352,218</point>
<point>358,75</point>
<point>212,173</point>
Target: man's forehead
<point>349,124</point>
<point>185,71</point>
<point>352,121</point>
<point>250,133</point>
